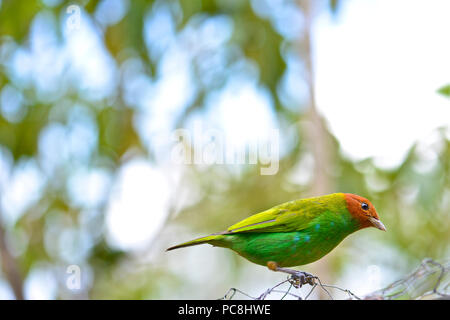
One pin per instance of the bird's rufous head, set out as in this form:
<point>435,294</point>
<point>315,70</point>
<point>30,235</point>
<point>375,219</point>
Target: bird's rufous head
<point>361,209</point>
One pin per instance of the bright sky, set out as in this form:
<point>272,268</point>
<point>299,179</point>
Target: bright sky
<point>378,67</point>
<point>138,205</point>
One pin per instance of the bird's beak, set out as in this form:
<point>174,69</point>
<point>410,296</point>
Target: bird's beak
<point>377,223</point>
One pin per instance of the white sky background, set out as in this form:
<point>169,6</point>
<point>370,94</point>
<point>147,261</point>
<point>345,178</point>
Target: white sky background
<point>378,66</point>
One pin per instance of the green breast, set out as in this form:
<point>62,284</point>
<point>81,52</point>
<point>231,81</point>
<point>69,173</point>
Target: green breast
<point>295,248</point>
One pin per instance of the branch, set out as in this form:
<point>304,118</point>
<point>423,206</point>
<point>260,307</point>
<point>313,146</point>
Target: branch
<point>10,267</point>
<point>293,284</point>
<point>429,281</point>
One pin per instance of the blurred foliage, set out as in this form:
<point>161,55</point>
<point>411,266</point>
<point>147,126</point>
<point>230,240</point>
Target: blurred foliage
<point>445,90</point>
<point>413,199</point>
<point>17,25</point>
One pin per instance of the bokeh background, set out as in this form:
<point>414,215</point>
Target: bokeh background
<point>92,94</point>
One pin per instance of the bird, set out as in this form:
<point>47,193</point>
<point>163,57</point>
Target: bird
<point>295,233</point>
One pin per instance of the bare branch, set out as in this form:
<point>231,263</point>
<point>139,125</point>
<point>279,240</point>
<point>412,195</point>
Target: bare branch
<point>426,282</point>
<point>10,267</point>
<point>418,285</point>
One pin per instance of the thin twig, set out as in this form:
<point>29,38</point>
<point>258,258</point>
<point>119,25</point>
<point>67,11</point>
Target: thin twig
<point>287,292</point>
<point>10,266</point>
<point>397,289</point>
<point>415,279</point>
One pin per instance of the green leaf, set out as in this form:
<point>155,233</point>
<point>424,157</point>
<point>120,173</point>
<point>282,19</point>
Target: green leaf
<point>445,90</point>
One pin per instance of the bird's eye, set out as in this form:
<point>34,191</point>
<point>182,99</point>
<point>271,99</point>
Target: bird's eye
<point>364,206</point>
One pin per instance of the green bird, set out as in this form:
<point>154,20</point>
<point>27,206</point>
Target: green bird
<point>295,233</point>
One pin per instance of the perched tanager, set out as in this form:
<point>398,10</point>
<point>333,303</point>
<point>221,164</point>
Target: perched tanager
<point>297,232</point>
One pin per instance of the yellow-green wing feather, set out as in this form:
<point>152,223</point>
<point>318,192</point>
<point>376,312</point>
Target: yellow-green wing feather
<point>290,216</point>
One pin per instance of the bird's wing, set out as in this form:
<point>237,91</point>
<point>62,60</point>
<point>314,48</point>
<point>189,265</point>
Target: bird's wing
<point>287,217</point>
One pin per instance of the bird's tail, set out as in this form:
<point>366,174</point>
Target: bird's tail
<point>214,239</point>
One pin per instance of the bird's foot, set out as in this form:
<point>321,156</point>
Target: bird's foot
<point>301,278</point>
<point>297,278</point>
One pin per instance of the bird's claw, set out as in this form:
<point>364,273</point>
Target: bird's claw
<point>301,278</point>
